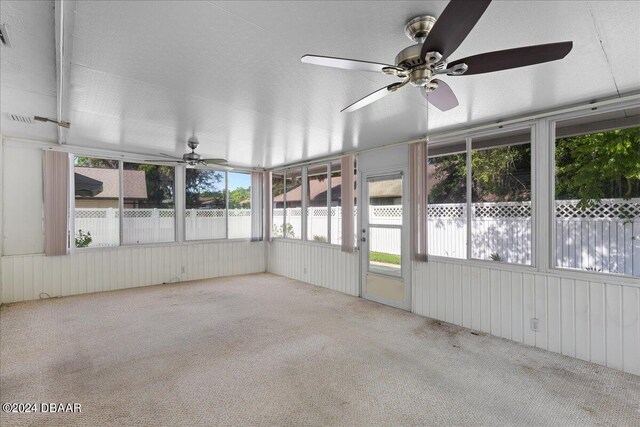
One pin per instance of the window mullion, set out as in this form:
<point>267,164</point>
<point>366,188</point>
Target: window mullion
<point>121,200</point>
<point>226,205</point>
<point>469,193</point>
<point>304,203</point>
<point>329,195</point>
<point>284,204</point>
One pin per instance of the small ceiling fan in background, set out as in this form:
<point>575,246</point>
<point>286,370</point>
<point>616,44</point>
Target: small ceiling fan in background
<point>436,41</point>
<point>194,159</point>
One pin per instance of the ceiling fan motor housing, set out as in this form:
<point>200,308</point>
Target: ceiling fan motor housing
<point>192,157</point>
<point>419,70</point>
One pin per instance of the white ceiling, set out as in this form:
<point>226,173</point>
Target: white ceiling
<point>27,68</point>
<point>146,75</point>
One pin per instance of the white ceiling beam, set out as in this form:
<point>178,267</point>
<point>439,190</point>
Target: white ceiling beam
<point>64,24</point>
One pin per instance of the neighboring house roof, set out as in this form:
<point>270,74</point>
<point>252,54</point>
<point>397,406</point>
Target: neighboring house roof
<point>135,185</point>
<point>317,191</point>
<point>385,189</point>
<point>378,189</point>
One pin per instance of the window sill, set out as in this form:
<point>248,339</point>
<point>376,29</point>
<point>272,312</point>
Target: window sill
<point>156,245</point>
<point>587,276</point>
<point>497,265</point>
<point>308,242</point>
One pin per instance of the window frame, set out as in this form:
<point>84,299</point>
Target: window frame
<point>121,203</point>
<point>468,138</point>
<point>306,195</point>
<point>179,204</point>
<point>588,275</point>
<point>464,140</point>
<point>304,201</point>
<point>71,205</point>
<point>242,239</point>
<point>226,210</point>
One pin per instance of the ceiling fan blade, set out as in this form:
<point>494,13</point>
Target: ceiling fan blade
<point>514,58</point>
<point>454,24</point>
<point>167,155</point>
<point>344,63</point>
<point>163,161</point>
<point>374,96</point>
<point>214,161</point>
<point>442,98</point>
<point>210,166</point>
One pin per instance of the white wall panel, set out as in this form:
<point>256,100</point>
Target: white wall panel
<point>22,201</point>
<point>25,277</point>
<point>594,321</point>
<point>321,265</point>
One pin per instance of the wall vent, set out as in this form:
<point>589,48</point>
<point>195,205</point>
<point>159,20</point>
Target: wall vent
<point>4,37</point>
<point>21,119</point>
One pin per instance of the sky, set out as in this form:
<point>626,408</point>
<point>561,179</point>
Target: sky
<point>239,180</point>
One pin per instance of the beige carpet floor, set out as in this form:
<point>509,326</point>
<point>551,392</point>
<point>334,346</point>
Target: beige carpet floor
<point>266,350</point>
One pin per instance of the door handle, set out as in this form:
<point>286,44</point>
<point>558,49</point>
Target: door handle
<point>364,239</point>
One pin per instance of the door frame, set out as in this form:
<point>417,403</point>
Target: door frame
<point>363,217</point>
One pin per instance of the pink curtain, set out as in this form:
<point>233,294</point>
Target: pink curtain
<point>56,202</point>
<point>346,197</point>
<point>266,181</point>
<point>418,199</point>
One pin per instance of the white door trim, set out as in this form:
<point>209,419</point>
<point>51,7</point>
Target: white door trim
<point>363,197</point>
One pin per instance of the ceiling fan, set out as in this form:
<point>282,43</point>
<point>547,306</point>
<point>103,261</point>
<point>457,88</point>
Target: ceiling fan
<point>193,158</point>
<point>436,40</point>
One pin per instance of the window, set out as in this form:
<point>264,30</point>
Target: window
<point>277,193</point>
<point>385,225</point>
<point>501,197</point>
<point>322,191</point>
<point>97,202</point>
<point>148,203</point>
<point>218,205</point>
<point>335,215</point>
<point>491,219</point>
<point>317,211</point>
<point>205,217</point>
<point>597,193</point>
<point>293,204</point>
<point>447,200</point>
<point>239,213</point>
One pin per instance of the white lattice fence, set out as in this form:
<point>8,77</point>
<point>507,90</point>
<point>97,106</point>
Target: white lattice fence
<point>604,238</point>
<point>103,224</point>
<point>158,225</point>
<point>317,225</point>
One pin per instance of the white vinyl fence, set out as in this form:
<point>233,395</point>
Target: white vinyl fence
<point>158,225</point>
<point>603,238</point>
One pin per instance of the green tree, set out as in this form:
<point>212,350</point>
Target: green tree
<point>200,183</point>
<point>598,165</point>
<point>240,198</point>
<point>501,174</point>
<point>449,175</point>
<point>91,162</point>
<point>160,184</point>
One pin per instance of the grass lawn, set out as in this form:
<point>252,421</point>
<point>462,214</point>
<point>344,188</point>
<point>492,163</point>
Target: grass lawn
<point>383,257</point>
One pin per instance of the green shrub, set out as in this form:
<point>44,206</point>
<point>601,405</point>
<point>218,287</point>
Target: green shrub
<point>83,239</point>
